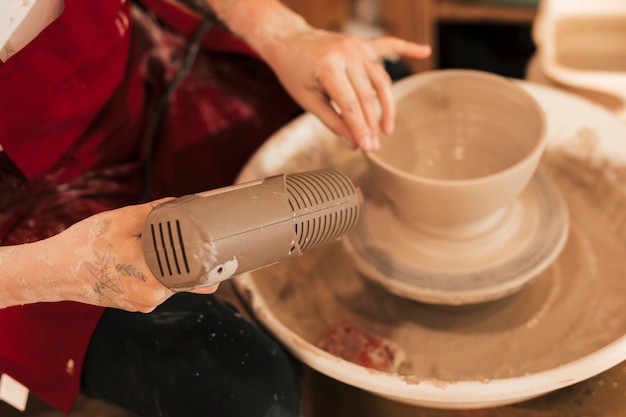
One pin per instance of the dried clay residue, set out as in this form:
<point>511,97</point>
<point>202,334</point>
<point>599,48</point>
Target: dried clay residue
<point>600,180</point>
<point>571,310</point>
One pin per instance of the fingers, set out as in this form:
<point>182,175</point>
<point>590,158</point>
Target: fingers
<point>361,94</point>
<point>381,82</point>
<point>351,91</point>
<point>329,114</point>
<point>154,203</point>
<point>388,45</point>
<point>347,88</point>
<point>206,290</point>
<point>365,99</point>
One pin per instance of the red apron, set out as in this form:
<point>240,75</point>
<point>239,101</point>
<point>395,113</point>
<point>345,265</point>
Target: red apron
<point>74,108</point>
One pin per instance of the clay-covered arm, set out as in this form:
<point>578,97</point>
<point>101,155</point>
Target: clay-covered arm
<point>337,77</point>
<point>96,261</point>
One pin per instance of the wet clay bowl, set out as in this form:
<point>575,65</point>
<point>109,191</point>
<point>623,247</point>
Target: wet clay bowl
<point>466,144</point>
<point>568,325</point>
<point>449,214</point>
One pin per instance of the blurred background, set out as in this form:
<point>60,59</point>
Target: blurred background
<point>490,35</point>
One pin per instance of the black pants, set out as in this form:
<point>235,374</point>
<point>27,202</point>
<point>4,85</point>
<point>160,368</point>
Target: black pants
<point>194,356</point>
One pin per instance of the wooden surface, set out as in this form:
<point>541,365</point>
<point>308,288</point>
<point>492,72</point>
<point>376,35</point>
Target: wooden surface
<point>417,20</point>
<point>455,10</point>
<point>601,396</point>
<point>414,20</point>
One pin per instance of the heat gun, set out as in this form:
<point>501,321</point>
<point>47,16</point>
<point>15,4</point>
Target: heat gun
<point>202,239</point>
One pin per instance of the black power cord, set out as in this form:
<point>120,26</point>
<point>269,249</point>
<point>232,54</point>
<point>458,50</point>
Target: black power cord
<point>190,57</point>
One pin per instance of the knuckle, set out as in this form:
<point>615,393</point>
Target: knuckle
<point>351,106</point>
<point>380,76</point>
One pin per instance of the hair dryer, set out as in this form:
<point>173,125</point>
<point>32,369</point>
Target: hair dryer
<point>202,239</point>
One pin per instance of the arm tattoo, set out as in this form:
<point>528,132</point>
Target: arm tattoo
<point>108,273</point>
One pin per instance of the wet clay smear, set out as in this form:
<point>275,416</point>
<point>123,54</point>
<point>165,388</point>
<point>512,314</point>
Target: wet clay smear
<point>572,309</point>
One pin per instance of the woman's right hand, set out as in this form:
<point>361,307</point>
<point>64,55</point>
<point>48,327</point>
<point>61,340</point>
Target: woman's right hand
<point>341,79</point>
<point>335,76</point>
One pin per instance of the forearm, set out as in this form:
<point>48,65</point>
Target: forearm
<point>261,23</point>
<point>335,76</point>
<point>97,261</point>
<point>30,273</point>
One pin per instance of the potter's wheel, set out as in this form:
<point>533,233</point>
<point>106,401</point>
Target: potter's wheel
<point>424,267</point>
<point>567,325</point>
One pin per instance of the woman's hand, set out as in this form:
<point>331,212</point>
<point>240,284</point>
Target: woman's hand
<point>111,260</point>
<point>341,79</point>
<point>337,77</point>
<point>96,261</point>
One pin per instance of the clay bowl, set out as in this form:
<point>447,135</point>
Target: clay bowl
<point>466,144</point>
<point>455,210</point>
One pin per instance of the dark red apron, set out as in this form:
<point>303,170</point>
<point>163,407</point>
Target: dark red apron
<point>74,108</point>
